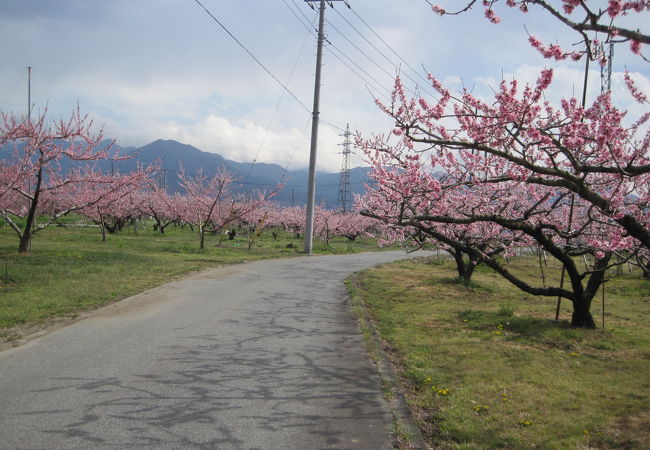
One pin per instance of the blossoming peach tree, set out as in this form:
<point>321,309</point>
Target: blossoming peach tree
<point>212,205</point>
<point>574,179</point>
<point>33,181</point>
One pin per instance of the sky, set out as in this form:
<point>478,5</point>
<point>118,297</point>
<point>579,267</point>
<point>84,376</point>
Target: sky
<point>164,69</point>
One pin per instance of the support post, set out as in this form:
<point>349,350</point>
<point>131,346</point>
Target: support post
<point>311,187</point>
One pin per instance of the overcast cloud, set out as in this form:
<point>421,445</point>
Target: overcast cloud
<point>150,69</point>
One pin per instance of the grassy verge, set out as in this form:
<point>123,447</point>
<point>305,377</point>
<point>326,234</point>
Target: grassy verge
<point>484,367</point>
<point>71,270</point>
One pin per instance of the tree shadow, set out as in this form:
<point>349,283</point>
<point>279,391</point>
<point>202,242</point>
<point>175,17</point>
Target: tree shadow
<point>287,373</point>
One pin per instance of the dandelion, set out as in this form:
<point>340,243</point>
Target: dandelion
<point>481,409</point>
<point>526,423</point>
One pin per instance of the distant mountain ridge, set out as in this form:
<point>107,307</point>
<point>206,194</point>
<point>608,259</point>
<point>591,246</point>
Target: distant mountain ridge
<point>172,154</point>
<point>249,176</point>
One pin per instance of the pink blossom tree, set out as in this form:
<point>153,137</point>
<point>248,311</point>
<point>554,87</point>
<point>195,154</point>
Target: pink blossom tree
<point>212,205</point>
<point>40,147</point>
<point>293,219</point>
<point>116,208</point>
<point>515,212</point>
<point>593,21</point>
<point>163,207</point>
<point>574,179</point>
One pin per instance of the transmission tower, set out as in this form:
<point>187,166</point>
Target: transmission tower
<point>345,196</point>
<point>606,70</point>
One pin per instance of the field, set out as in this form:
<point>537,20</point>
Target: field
<point>483,365</point>
<point>71,270</point>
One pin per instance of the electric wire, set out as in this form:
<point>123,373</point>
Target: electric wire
<point>14,86</point>
<point>309,28</point>
<point>300,10</point>
<point>341,55</point>
<point>259,63</point>
<point>358,49</point>
<point>428,82</point>
<point>277,106</point>
<point>389,46</point>
<point>381,86</point>
<point>295,149</point>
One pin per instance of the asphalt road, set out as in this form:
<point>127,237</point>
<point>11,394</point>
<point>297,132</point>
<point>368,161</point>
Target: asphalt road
<point>265,355</point>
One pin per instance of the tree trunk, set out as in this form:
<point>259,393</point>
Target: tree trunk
<point>465,269</point>
<point>202,237</point>
<point>582,317</point>
<point>26,238</point>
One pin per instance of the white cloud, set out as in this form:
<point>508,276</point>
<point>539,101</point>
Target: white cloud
<point>163,69</point>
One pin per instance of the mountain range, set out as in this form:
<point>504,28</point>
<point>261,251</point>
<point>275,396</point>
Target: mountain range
<point>249,177</point>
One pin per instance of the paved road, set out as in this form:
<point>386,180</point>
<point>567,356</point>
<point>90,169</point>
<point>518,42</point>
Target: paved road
<point>264,355</point>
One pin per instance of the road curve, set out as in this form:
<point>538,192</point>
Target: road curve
<point>264,355</point>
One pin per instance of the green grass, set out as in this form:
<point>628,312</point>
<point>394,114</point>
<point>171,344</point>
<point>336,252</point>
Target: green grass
<point>71,270</point>
<point>484,367</point>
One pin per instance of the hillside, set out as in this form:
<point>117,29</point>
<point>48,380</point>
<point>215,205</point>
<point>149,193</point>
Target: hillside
<point>260,176</point>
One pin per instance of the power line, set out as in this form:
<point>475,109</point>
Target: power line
<point>11,90</point>
<point>342,55</point>
<point>295,149</point>
<point>277,106</point>
<point>301,11</point>
<point>259,63</point>
<point>311,30</point>
<point>389,47</point>
<point>299,185</point>
<point>391,76</point>
<point>358,49</point>
<point>381,86</point>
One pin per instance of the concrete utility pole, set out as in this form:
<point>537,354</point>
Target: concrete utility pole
<point>29,121</point>
<point>311,186</point>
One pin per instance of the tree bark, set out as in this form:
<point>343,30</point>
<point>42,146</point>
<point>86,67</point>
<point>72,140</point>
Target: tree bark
<point>26,238</point>
<point>465,269</point>
<point>581,317</point>
<point>201,237</point>
<point>23,245</point>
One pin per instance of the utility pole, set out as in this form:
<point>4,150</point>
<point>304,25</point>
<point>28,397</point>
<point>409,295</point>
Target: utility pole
<point>29,94</point>
<point>311,186</point>
<point>29,121</point>
<point>344,178</point>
